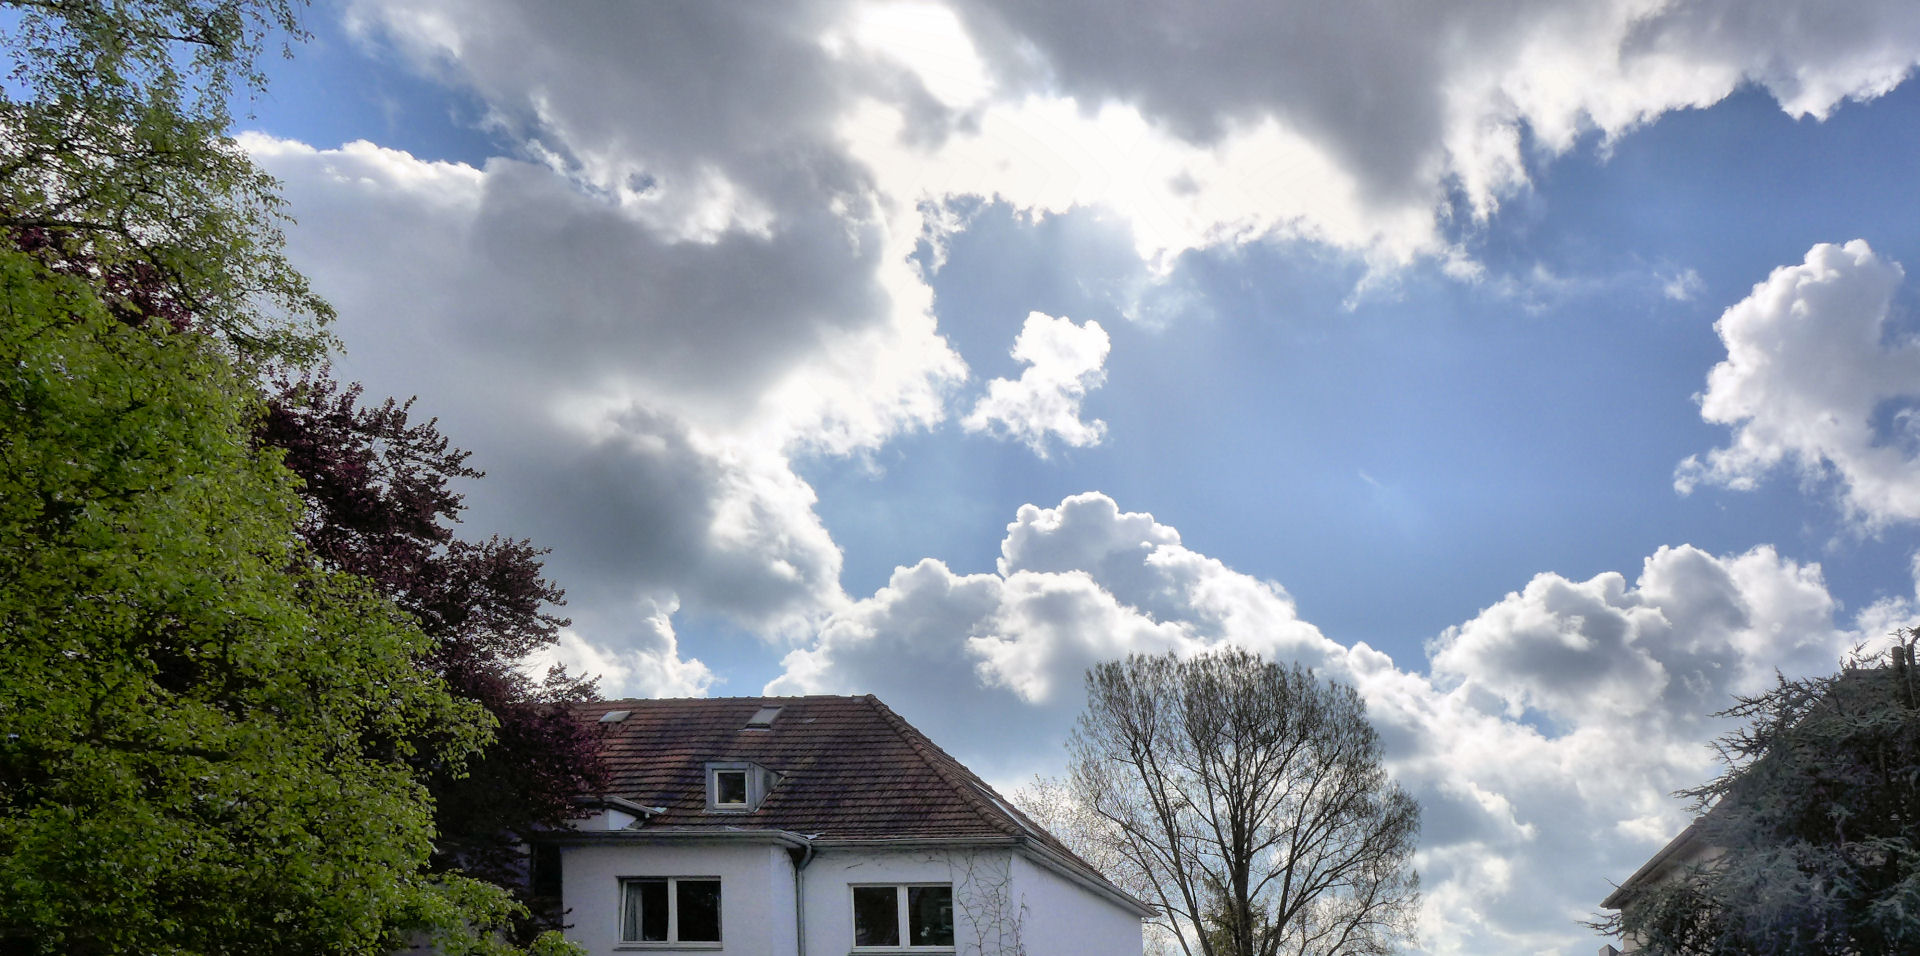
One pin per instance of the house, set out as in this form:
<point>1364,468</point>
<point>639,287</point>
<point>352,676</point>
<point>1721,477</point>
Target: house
<point>1796,845</point>
<point>805,826</point>
<point>1683,851</point>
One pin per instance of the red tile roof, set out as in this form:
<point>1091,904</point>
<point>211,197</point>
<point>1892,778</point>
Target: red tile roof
<point>850,769</point>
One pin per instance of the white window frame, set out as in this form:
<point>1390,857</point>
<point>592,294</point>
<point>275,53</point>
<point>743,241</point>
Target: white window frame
<point>759,781</point>
<point>900,913</point>
<point>673,915</point>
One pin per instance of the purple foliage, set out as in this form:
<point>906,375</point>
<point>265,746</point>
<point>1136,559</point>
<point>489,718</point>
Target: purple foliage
<point>381,504</point>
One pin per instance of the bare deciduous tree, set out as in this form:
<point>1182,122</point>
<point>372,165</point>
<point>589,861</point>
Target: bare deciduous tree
<point>1246,799</point>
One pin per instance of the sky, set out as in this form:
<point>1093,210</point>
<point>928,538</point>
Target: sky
<point>1545,370</point>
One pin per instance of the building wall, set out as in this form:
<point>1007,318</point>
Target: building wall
<point>1003,904</point>
<point>756,894</point>
<point>830,878</point>
<point>1061,917</point>
<point>1696,854</point>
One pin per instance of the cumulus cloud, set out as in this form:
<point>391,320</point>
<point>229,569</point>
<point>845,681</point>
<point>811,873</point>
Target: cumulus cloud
<point>648,667</point>
<point>1199,127</point>
<point>1447,88</point>
<point>1815,378</point>
<point>695,267</point>
<point>695,263</point>
<point>636,395</point>
<point>1064,361</point>
<point>1542,737</point>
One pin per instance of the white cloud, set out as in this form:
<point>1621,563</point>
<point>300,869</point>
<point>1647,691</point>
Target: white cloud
<point>1682,286</point>
<point>1814,377</point>
<point>698,267</point>
<point>1064,361</point>
<point>1197,127</point>
<point>1542,741</point>
<point>694,269</point>
<point>1447,95</point>
<point>649,667</point>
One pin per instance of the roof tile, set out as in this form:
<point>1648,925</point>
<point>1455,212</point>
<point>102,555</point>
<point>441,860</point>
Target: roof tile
<point>850,768</point>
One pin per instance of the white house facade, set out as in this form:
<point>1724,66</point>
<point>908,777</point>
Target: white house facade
<point>809,826</point>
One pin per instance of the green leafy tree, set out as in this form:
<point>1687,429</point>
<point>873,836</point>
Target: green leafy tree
<point>114,160</point>
<point>210,739</point>
<point>1816,824</point>
<point>206,736</point>
<point>1248,800</point>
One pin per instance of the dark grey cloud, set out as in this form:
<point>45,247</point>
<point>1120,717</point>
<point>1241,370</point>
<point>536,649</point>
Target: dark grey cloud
<point>574,287</point>
<point>1410,95</point>
<point>1364,77</point>
<point>599,371</point>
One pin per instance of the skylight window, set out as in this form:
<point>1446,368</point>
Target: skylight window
<point>614,716</point>
<point>763,718</point>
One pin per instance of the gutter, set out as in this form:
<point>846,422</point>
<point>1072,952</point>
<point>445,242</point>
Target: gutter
<point>651,836</point>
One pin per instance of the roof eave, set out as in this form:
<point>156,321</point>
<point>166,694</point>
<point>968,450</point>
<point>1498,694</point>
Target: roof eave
<point>1624,893</point>
<point>646,836</point>
<point>1047,858</point>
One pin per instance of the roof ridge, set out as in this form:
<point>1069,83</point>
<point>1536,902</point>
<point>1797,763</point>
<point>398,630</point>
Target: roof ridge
<point>920,744</point>
<point>682,700</point>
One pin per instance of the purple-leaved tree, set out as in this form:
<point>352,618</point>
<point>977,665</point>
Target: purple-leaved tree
<point>381,504</point>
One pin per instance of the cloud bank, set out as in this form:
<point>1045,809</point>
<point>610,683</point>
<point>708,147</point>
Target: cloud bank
<point>1542,738</point>
<point>696,265</point>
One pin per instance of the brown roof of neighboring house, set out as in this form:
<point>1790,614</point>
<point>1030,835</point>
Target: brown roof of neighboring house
<point>850,769</point>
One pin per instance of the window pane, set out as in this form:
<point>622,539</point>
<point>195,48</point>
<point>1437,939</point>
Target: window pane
<point>730,786</point>
<point>544,878</point>
<point>699,911</point>
<point>876,916</point>
<point>930,915</point>
<point>645,916</point>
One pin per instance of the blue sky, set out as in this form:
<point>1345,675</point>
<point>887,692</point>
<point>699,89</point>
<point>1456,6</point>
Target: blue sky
<point>1549,383</point>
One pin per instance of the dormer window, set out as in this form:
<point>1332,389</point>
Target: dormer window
<point>737,786</point>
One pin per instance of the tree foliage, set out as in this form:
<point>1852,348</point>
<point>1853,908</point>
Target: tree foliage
<point>215,736</point>
<point>1248,799</point>
<point>1816,824</point>
<point>381,503</point>
<point>114,160</point>
<point>207,737</point>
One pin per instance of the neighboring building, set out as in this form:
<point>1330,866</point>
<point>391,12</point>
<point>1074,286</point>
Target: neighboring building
<point>1687,849</point>
<point>806,826</point>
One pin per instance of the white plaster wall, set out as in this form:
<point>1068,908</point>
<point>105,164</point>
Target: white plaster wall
<point>829,882</point>
<point>1003,904</point>
<point>1061,918</point>
<point>756,894</point>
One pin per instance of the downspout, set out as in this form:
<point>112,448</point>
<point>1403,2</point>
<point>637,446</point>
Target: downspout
<point>800,895</point>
